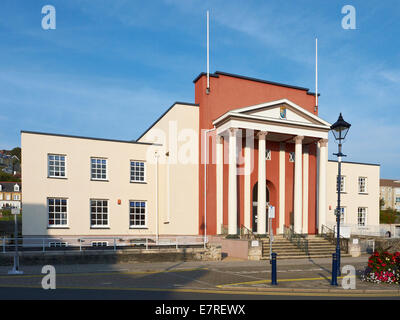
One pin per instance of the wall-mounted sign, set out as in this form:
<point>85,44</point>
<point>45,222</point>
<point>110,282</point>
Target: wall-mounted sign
<point>271,212</point>
<point>255,243</point>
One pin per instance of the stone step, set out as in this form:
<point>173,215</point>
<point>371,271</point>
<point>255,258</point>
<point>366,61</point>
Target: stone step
<point>297,249</point>
<point>317,248</point>
<point>283,251</point>
<point>288,245</point>
<point>310,243</point>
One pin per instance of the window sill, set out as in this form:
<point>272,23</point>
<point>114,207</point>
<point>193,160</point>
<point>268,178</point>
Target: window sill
<point>366,193</point>
<point>139,182</point>
<point>105,227</point>
<point>57,178</point>
<point>55,227</point>
<point>102,180</point>
<point>138,227</point>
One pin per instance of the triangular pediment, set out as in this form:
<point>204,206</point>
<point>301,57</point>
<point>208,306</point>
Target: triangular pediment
<point>283,110</point>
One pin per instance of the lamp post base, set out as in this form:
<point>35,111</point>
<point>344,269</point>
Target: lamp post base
<point>14,271</point>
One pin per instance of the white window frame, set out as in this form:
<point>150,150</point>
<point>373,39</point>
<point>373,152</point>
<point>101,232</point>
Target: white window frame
<point>16,197</point>
<point>48,213</point>
<point>342,214</point>
<point>365,185</point>
<point>292,156</point>
<point>131,171</point>
<point>52,173</point>
<point>342,184</point>
<point>137,226</point>
<point>58,244</point>
<point>8,197</point>
<point>268,154</point>
<point>365,216</point>
<point>96,178</point>
<point>99,243</point>
<point>99,226</point>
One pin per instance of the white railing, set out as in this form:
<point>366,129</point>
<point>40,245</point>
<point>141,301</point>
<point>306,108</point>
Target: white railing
<point>35,244</point>
<point>348,230</point>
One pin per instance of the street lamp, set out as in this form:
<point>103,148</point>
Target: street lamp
<point>339,130</point>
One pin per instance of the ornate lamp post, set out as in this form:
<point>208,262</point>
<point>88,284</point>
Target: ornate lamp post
<point>339,130</point>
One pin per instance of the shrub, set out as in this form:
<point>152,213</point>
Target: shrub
<point>232,236</point>
<point>388,216</point>
<point>383,267</point>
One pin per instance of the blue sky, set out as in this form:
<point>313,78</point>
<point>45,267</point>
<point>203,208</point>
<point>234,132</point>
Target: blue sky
<point>112,67</point>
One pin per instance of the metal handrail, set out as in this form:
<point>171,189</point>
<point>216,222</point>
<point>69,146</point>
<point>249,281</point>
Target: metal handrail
<point>246,233</point>
<point>80,243</point>
<point>298,239</point>
<point>329,234</point>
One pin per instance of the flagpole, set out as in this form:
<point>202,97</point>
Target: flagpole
<point>208,51</point>
<point>316,72</point>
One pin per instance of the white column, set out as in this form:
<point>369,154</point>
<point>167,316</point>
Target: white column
<point>220,181</point>
<point>282,178</point>
<point>322,164</point>
<point>298,192</point>
<point>232,183</point>
<point>248,166</point>
<point>305,189</point>
<point>261,205</point>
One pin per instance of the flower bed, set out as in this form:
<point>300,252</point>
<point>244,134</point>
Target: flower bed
<point>383,267</point>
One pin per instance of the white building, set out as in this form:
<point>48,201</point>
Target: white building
<point>359,197</point>
<point>266,145</point>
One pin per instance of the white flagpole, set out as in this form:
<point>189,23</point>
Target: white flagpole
<point>208,51</point>
<point>316,72</point>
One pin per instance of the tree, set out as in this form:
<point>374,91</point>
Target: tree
<point>4,176</point>
<point>16,152</point>
<point>388,216</point>
<point>381,203</point>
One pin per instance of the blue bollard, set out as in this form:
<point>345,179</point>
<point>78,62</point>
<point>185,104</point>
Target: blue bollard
<point>334,270</point>
<point>273,273</point>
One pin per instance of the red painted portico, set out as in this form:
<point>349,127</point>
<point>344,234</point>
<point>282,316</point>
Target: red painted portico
<point>267,146</point>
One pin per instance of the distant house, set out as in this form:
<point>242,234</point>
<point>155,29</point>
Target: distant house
<point>10,194</point>
<point>390,193</point>
<point>9,163</point>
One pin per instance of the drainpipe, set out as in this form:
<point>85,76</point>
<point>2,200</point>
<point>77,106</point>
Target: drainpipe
<point>205,183</point>
<point>157,156</point>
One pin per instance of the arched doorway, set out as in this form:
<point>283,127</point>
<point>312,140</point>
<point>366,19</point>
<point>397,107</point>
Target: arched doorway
<point>255,205</point>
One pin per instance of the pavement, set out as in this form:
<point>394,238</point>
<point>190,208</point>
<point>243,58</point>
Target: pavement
<point>227,279</point>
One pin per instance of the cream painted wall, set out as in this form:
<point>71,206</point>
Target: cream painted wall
<point>351,199</point>
<point>79,189</point>
<point>179,128</point>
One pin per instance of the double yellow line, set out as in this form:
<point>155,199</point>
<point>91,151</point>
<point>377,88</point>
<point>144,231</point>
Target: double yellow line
<point>280,280</point>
